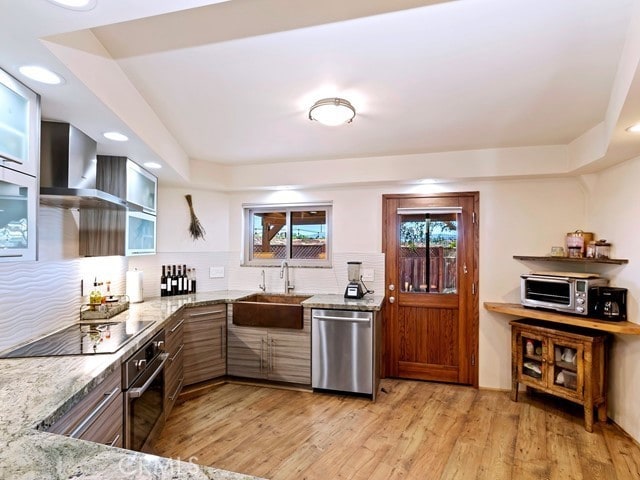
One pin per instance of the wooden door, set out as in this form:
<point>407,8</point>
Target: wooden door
<point>431,248</point>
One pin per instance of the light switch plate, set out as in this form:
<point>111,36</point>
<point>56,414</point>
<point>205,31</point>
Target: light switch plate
<point>216,272</point>
<point>367,275</point>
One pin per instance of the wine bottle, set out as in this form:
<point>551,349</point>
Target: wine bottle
<point>163,282</point>
<point>179,292</point>
<point>189,280</point>
<point>193,280</point>
<point>174,282</point>
<point>185,280</point>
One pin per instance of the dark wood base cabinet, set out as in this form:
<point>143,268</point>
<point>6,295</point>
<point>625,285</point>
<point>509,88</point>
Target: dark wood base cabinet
<point>98,417</point>
<point>174,368</point>
<point>562,360</point>
<point>205,343</point>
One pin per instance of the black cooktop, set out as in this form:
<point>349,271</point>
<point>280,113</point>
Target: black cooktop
<point>84,338</point>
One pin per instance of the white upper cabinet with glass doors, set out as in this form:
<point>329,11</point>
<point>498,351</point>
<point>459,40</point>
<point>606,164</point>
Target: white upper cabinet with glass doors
<point>142,188</point>
<point>19,126</point>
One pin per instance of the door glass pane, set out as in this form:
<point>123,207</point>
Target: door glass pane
<point>14,216</point>
<point>14,126</point>
<point>141,232</point>
<point>309,234</point>
<point>565,359</point>
<point>269,234</point>
<point>428,253</point>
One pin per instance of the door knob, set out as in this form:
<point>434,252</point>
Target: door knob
<point>392,287</point>
<point>392,299</point>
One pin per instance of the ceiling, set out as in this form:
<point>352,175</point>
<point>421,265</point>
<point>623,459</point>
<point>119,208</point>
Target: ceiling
<point>231,83</point>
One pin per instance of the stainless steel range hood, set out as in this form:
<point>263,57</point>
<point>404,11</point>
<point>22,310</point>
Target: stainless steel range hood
<point>68,169</point>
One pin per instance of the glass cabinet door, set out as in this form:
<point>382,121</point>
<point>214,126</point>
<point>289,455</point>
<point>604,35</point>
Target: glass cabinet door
<point>18,198</point>
<point>140,234</point>
<point>141,187</point>
<point>532,351</point>
<point>567,366</point>
<point>19,126</point>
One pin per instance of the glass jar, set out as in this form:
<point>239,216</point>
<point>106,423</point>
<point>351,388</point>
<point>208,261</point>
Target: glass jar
<point>603,249</point>
<point>591,249</point>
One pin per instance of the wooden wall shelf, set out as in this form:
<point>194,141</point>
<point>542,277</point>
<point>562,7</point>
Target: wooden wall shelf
<point>610,261</point>
<point>623,328</point>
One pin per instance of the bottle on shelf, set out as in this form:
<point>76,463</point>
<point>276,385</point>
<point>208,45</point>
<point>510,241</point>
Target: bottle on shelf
<point>179,289</point>
<point>193,280</point>
<point>163,282</point>
<point>189,280</point>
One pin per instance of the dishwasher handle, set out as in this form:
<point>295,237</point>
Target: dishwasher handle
<point>329,318</point>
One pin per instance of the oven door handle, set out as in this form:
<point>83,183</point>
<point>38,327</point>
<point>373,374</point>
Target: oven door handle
<point>137,392</point>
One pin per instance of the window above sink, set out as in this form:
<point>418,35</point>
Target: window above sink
<point>299,234</point>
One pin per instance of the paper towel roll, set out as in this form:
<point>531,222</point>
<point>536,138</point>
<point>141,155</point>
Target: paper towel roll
<point>134,286</point>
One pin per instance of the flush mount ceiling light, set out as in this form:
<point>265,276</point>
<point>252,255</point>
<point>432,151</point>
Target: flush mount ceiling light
<point>635,128</point>
<point>115,136</point>
<point>40,74</point>
<point>75,4</point>
<point>152,165</point>
<point>332,111</point>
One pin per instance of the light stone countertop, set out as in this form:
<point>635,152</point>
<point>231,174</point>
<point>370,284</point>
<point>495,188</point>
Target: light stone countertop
<point>368,303</point>
<point>35,392</point>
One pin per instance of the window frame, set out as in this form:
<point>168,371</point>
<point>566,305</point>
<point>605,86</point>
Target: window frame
<point>248,212</point>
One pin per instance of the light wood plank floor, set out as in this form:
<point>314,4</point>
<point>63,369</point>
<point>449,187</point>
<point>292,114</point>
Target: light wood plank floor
<point>415,430</point>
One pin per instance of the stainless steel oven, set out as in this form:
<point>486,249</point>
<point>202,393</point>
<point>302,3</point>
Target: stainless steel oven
<point>143,385</point>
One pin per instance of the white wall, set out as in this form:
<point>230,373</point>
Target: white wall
<point>614,213</point>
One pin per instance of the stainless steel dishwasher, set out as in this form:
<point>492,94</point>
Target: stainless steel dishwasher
<point>342,351</point>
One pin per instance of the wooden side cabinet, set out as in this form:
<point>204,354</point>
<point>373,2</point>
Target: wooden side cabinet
<point>205,343</point>
<point>277,354</point>
<point>98,417</point>
<point>566,361</point>
<point>174,369</point>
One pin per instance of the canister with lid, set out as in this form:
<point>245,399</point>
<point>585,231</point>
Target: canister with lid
<point>603,249</point>
<point>576,243</point>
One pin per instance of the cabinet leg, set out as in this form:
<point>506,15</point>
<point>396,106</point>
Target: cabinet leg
<point>514,391</point>
<point>588,416</point>
<point>602,412</point>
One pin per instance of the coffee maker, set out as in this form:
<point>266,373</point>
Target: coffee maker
<point>609,303</point>
<point>355,289</point>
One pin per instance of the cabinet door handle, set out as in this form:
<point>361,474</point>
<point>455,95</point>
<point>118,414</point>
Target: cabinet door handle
<point>177,326</point>
<point>177,353</point>
<point>11,256</point>
<point>175,394</point>
<point>8,159</point>
<point>271,357</point>
<point>114,441</point>
<point>79,430</point>
<point>221,343</point>
<point>261,353</point>
<point>202,314</point>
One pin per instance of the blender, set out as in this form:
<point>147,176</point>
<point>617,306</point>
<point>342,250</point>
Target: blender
<point>354,288</point>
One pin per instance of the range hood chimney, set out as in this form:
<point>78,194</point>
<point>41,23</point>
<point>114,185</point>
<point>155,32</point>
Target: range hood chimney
<point>68,169</point>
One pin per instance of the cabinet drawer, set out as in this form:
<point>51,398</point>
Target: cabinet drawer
<point>173,336</point>
<point>209,311</point>
<point>98,416</point>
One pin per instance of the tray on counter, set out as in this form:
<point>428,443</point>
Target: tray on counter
<point>101,311</point>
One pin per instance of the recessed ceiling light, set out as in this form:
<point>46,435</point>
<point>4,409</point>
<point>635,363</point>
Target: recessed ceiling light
<point>115,136</point>
<point>75,4</point>
<point>40,74</point>
<point>635,128</point>
<point>152,165</point>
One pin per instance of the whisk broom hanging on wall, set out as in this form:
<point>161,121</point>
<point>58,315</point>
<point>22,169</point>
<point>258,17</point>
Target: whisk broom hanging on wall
<point>195,227</point>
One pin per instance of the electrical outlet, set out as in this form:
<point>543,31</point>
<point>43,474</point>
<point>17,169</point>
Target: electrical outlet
<point>367,275</point>
<point>216,272</point>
